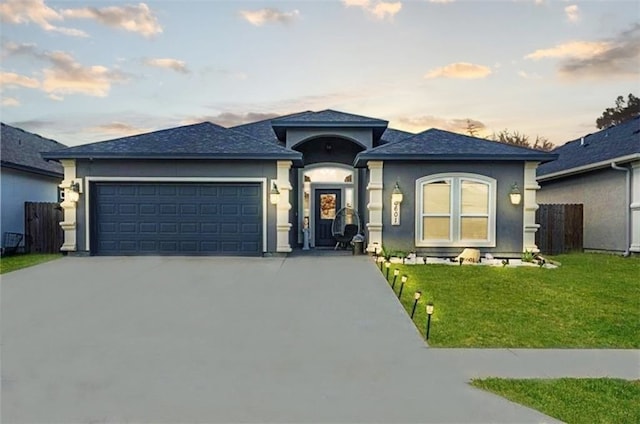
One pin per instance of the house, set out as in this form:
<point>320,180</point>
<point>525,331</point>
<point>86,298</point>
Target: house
<point>205,189</point>
<point>601,171</point>
<point>26,176</point>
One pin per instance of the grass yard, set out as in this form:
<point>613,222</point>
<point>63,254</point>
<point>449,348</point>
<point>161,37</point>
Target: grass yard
<point>12,263</point>
<point>573,400</point>
<point>591,301</point>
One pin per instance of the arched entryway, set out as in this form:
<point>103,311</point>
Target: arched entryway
<point>324,189</point>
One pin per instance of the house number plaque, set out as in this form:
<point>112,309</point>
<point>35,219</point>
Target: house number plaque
<point>395,213</point>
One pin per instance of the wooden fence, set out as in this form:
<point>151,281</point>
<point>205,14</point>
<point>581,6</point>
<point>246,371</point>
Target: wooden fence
<point>43,233</point>
<point>560,228</point>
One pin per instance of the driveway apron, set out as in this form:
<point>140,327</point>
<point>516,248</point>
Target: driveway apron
<point>302,339</point>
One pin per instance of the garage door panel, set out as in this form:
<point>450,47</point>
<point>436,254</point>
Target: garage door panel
<point>177,218</point>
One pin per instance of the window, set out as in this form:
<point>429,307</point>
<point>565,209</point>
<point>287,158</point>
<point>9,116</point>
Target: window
<point>455,210</point>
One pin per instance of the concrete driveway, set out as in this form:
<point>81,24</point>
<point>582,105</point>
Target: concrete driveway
<point>303,339</point>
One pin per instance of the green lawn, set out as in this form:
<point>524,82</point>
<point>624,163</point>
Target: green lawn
<point>12,263</point>
<point>572,400</point>
<point>591,301</point>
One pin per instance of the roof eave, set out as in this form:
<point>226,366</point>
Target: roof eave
<point>25,168</point>
<point>187,156</point>
<point>589,167</point>
<point>360,159</point>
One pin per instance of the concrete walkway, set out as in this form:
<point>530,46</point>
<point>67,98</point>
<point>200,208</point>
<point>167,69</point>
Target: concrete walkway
<point>304,339</point>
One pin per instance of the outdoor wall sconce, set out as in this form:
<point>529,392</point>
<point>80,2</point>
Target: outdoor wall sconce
<point>514,195</point>
<point>416,297</point>
<point>73,195</point>
<point>387,265</point>
<point>396,272</point>
<point>429,313</point>
<point>274,194</point>
<point>396,199</point>
<point>403,280</point>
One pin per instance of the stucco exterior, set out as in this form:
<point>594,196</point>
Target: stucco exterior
<point>509,218</point>
<point>602,194</point>
<point>19,187</point>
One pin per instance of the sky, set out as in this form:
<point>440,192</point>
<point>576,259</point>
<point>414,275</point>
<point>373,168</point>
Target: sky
<point>83,71</point>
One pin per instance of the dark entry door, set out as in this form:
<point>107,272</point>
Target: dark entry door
<point>328,202</point>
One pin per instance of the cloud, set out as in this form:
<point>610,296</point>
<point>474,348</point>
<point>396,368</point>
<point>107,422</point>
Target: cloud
<point>10,102</point>
<point>459,125</point>
<point>461,70</point>
<point>67,76</point>
<point>616,57</point>
<point>525,75</point>
<point>35,11</point>
<point>166,63</point>
<point>572,49</point>
<point>11,79</point>
<point>262,16</point>
<point>572,12</point>
<point>117,128</point>
<point>378,9</point>
<point>64,75</point>
<point>231,119</point>
<point>133,18</point>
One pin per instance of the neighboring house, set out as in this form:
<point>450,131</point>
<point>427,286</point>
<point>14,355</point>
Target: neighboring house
<point>205,189</point>
<point>601,171</point>
<point>25,175</point>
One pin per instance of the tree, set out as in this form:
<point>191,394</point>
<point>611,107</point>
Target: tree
<point>472,128</point>
<point>622,112</point>
<point>518,139</point>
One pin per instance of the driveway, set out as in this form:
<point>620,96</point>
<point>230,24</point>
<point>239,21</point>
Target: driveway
<point>303,339</point>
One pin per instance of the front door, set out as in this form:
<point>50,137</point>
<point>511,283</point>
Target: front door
<point>327,204</point>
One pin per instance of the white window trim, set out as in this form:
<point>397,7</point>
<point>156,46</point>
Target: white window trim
<point>454,179</point>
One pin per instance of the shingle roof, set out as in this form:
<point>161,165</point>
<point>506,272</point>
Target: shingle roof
<point>327,118</point>
<point>436,144</point>
<point>392,135</point>
<point>198,141</point>
<point>608,145</point>
<point>21,150</point>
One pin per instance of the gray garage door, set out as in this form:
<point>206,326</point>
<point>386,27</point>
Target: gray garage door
<point>176,218</point>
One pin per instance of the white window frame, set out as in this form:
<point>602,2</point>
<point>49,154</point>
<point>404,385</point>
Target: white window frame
<point>455,179</point>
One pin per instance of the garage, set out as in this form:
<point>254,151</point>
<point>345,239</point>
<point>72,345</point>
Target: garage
<point>182,218</point>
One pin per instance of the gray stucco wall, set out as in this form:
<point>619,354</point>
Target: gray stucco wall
<point>19,187</point>
<point>176,168</point>
<point>602,194</point>
<point>364,137</point>
<point>509,219</point>
<point>342,151</point>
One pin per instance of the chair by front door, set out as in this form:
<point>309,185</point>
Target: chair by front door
<point>327,203</point>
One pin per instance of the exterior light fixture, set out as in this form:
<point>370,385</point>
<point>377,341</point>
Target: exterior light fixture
<point>274,194</point>
<point>381,261</point>
<point>396,272</point>
<point>387,265</point>
<point>514,195</point>
<point>73,195</point>
<point>375,250</point>
<point>396,199</point>
<point>429,309</point>
<point>403,280</point>
<point>416,297</point>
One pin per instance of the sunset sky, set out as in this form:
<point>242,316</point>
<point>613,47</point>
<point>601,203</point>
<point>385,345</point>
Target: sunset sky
<point>82,71</point>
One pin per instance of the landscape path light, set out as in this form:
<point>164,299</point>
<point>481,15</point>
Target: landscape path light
<point>396,272</point>
<point>429,309</point>
<point>416,297</point>
<point>387,265</point>
<point>403,280</point>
